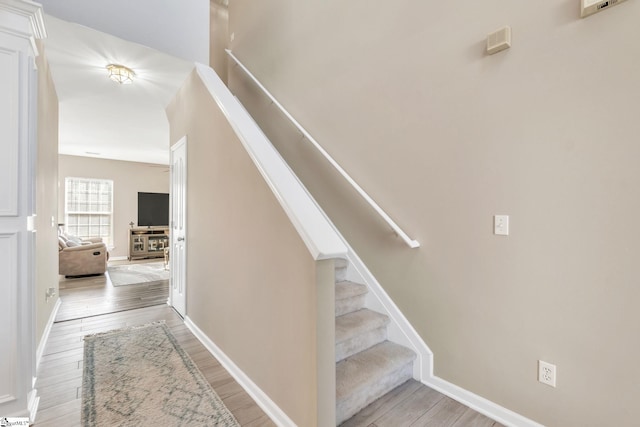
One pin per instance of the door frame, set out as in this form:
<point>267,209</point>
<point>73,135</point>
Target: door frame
<point>181,142</point>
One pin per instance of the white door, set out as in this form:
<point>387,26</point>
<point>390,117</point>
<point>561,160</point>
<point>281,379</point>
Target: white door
<point>178,253</point>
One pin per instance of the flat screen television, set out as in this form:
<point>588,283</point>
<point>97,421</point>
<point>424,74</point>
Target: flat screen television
<point>153,209</point>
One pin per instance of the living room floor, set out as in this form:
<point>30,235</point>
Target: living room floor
<point>94,295</point>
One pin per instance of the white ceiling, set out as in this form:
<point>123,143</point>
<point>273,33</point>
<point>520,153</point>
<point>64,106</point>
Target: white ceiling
<point>97,115</point>
<point>179,28</point>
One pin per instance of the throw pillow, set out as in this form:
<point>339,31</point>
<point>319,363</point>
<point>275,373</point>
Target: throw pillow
<point>75,240</point>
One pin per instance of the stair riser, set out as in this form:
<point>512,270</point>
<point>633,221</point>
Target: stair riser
<point>349,305</point>
<point>376,388</point>
<point>341,266</point>
<point>341,274</point>
<point>361,342</point>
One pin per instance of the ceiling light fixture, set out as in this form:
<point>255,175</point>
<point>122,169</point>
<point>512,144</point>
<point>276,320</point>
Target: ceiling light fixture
<point>120,74</point>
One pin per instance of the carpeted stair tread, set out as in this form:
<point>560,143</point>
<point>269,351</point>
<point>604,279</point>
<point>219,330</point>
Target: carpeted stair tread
<point>348,289</point>
<point>349,297</point>
<point>341,266</point>
<point>358,322</point>
<point>365,376</point>
<point>359,330</point>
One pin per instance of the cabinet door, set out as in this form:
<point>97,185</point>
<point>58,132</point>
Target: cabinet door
<point>138,244</point>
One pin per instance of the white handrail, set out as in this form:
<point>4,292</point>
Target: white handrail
<point>410,242</point>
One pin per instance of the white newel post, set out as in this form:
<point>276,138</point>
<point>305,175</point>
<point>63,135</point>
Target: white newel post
<point>21,22</point>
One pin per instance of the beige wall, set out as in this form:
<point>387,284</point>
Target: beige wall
<point>128,179</point>
<point>251,280</point>
<point>444,137</point>
<point>219,39</point>
<point>46,194</point>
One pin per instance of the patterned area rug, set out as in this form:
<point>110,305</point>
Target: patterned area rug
<point>140,376</point>
<point>131,274</point>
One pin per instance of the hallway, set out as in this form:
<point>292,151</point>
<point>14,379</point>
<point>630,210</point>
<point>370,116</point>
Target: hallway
<point>59,381</point>
<point>94,305</point>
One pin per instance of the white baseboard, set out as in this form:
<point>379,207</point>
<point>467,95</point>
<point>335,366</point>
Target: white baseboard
<point>268,406</point>
<point>34,401</point>
<point>47,331</point>
<point>484,406</point>
<point>118,258</point>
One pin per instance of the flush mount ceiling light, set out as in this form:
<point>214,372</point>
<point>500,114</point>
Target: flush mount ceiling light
<point>120,74</point>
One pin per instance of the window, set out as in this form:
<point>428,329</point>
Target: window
<point>89,208</point>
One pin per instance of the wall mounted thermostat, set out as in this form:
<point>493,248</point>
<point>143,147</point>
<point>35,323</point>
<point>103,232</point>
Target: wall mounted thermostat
<point>589,7</point>
<point>499,40</point>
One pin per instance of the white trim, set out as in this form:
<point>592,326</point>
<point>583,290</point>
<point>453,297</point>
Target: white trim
<point>47,331</point>
<point>181,228</point>
<point>30,10</point>
<point>318,235</point>
<point>484,406</point>
<point>264,402</point>
<point>118,258</point>
<point>33,403</point>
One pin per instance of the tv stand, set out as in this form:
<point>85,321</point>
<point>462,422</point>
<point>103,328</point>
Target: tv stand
<point>148,242</point>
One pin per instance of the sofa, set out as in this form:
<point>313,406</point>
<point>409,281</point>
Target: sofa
<point>78,257</point>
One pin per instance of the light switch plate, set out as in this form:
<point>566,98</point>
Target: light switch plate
<point>501,225</point>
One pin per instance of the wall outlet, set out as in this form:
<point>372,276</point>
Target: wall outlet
<point>547,373</point>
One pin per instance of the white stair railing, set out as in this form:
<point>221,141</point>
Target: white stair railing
<point>396,228</point>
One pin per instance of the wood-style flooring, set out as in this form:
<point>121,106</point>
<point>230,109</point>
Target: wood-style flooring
<point>94,305</point>
<point>59,381</point>
<point>94,295</point>
<point>416,405</point>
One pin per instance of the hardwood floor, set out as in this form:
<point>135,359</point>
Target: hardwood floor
<point>86,300</point>
<point>416,405</point>
<point>94,295</point>
<point>59,381</point>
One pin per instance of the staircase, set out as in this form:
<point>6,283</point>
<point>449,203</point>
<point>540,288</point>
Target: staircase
<point>367,365</point>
